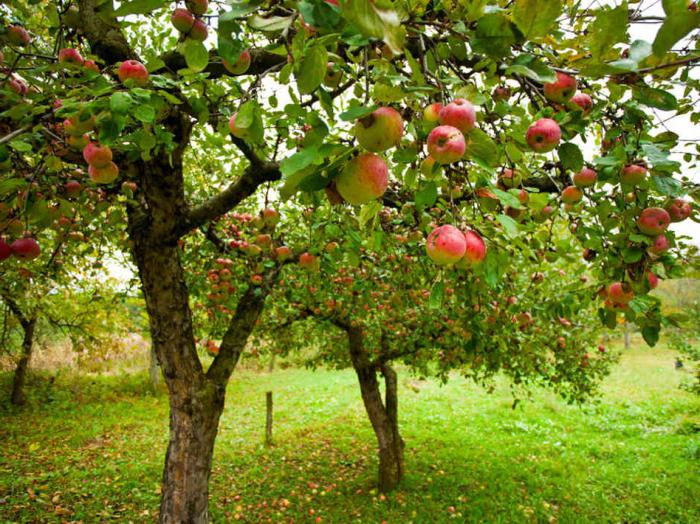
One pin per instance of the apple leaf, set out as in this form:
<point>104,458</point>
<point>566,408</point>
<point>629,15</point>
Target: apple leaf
<point>196,55</point>
<point>651,335</point>
<point>608,28</point>
<point>678,23</point>
<point>481,146</point>
<point>653,97</point>
<point>298,161</point>
<point>120,102</point>
<point>426,195</point>
<point>271,24</point>
<point>312,69</point>
<point>437,294</point>
<point>139,7</point>
<point>494,35</point>
<point>571,157</point>
<point>372,21</point>
<point>355,112</point>
<point>535,17</point>
<point>510,226</point>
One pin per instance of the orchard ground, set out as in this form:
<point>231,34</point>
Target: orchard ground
<point>90,449</point>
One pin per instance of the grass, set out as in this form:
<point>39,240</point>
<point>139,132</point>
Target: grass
<point>91,450</point>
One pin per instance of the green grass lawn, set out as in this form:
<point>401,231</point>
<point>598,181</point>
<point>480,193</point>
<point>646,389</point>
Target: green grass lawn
<point>91,449</point>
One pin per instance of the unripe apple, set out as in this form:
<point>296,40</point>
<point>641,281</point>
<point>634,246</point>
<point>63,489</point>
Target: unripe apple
<point>240,66</point>
<point>431,114</point>
<point>333,76</point>
<point>571,195</point>
<point>18,35</point>
<point>199,31</point>
<point>133,70</point>
<point>446,144</point>
<point>660,245</point>
<point>633,174</point>
<point>104,175</point>
<point>510,178</point>
<point>544,135</point>
<point>427,167</point>
<point>129,188</point>
<point>652,279</point>
<point>235,131</point>
<point>70,56</point>
<point>653,221</point>
<point>620,293</point>
<point>198,7</point>
<point>5,249</point>
<point>476,249</point>
<point>25,248</point>
<point>97,155</point>
<point>182,19</point>
<point>363,178</point>
<point>584,101</point>
<point>561,90</point>
<point>446,245</point>
<point>380,130</point>
<point>309,262</point>
<point>585,178</point>
<point>459,113</point>
<point>78,125</point>
<point>679,210</point>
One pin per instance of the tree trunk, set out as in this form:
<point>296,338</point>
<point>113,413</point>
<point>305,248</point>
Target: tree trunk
<point>17,397</point>
<point>382,416</point>
<point>153,369</point>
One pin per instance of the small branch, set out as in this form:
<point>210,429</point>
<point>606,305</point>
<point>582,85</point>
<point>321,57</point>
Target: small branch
<point>15,133</point>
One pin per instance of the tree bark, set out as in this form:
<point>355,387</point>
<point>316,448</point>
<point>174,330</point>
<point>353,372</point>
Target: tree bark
<point>17,396</point>
<point>153,369</point>
<point>383,416</point>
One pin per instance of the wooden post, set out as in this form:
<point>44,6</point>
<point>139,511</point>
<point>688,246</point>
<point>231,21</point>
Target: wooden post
<point>627,335</point>
<point>268,419</point>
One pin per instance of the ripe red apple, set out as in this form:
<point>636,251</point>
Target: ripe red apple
<point>133,70</point>
<point>446,245</point>
<point>431,113</point>
<point>446,144</point>
<point>571,195</point>
<point>97,155</point>
<point>198,7</point>
<point>660,245</point>
<point>73,188</point>
<point>91,65</point>
<point>501,93</point>
<point>308,261</point>
<point>544,135</point>
<point>633,174</point>
<point>282,253</point>
<point>476,249</point>
<point>240,66</point>
<point>584,101</point>
<point>562,89</point>
<point>270,216</point>
<point>5,249</point>
<point>652,279</point>
<point>199,31</point>
<point>363,178</point>
<point>182,19</point>
<point>679,210</point>
<point>18,85</point>
<point>585,178</point>
<point>104,175</point>
<point>620,293</point>
<point>459,113</point>
<point>510,178</point>
<point>18,35</point>
<point>380,130</point>
<point>653,221</point>
<point>70,56</point>
<point>25,248</point>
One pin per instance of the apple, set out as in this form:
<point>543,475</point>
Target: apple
<point>25,248</point>
<point>459,113</point>
<point>561,90</point>
<point>134,71</point>
<point>652,279</point>
<point>182,19</point>
<point>91,66</point>
<point>70,56</point>
<point>362,179</point>
<point>78,126</point>
<point>633,174</point>
<point>446,144</point>
<point>104,175</point>
<point>333,76</point>
<point>571,195</point>
<point>679,210</point>
<point>78,142</point>
<point>270,216</point>
<point>585,178</point>
<point>235,131</point>
<point>510,178</point>
<point>380,130</point>
<point>584,101</point>
<point>308,261</point>
<point>97,155</point>
<point>446,245</point>
<point>129,188</point>
<point>620,293</point>
<point>653,221</point>
<point>18,35</point>
<point>431,114</point>
<point>427,166</point>
<point>659,245</point>
<point>501,93</point>
<point>5,249</point>
<point>199,31</point>
<point>544,135</point>
<point>198,7</point>
<point>73,188</point>
<point>476,249</point>
<point>240,66</point>
<point>282,253</point>
<point>18,85</point>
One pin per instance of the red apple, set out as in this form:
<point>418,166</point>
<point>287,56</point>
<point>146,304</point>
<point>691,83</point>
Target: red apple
<point>380,130</point>
<point>620,293</point>
<point>182,19</point>
<point>133,70</point>
<point>679,210</point>
<point>78,142</point>
<point>571,195</point>
<point>240,66</point>
<point>660,245</point>
<point>561,90</point>
<point>431,113</point>
<point>18,35</point>
<point>653,221</point>
<point>460,114</point>
<point>510,178</point>
<point>91,65</point>
<point>501,93</point>
<point>235,131</point>
<point>18,85</point>
<point>5,249</point>
<point>652,279</point>
<point>25,248</point>
<point>633,174</point>
<point>104,175</point>
<point>97,155</point>
<point>446,144</point>
<point>476,249</point>
<point>544,135</point>
<point>198,7</point>
<point>363,178</point>
<point>446,245</point>
<point>308,261</point>
<point>199,31</point>
<point>585,178</point>
<point>73,188</point>
<point>584,101</point>
<point>282,253</point>
<point>70,56</point>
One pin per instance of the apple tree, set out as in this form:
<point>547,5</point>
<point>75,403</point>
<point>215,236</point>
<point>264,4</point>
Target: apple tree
<point>511,100</point>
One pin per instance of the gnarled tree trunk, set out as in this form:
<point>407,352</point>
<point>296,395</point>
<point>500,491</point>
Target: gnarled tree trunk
<point>382,415</point>
<point>17,396</point>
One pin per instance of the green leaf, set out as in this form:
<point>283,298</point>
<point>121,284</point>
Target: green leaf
<point>608,317</point>
<point>667,186</point>
<point>632,254</point>
<point>651,335</point>
<point>372,21</point>
<point>508,199</point>
<point>494,35</point>
<point>571,156</point>
<point>298,161</point>
<point>653,97</point>
<point>678,23</point>
<point>530,67</point>
<point>312,69</point>
<point>120,102</point>
<point>535,17</point>
<point>270,24</point>
<point>510,226</point>
<point>239,8</point>
<point>196,55</point>
<point>659,158</point>
<point>355,112</point>
<point>608,28</point>
<point>139,7</point>
<point>482,147</point>
<point>145,113</point>
<point>437,295</point>
<point>369,211</point>
<point>426,195</point>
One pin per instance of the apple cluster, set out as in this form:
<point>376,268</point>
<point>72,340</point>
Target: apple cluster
<point>188,20</point>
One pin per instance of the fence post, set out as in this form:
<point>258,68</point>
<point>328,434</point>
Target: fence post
<point>268,419</point>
